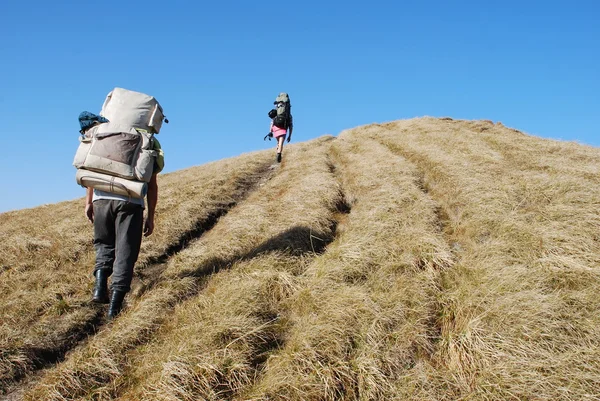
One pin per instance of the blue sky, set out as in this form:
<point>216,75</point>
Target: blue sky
<point>216,67</point>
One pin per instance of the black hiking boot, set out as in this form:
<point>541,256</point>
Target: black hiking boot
<point>100,287</point>
<point>278,157</point>
<point>116,304</point>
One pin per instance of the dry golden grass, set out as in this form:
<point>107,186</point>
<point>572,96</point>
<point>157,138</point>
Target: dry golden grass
<point>214,345</point>
<point>426,259</point>
<point>47,258</point>
<point>93,368</point>
<point>521,315</point>
<point>365,312</point>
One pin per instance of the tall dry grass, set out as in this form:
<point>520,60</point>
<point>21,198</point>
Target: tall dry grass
<point>521,315</point>
<point>255,226</point>
<point>47,259</point>
<point>366,309</point>
<point>218,340</point>
<point>426,259</point>
<point>41,253</point>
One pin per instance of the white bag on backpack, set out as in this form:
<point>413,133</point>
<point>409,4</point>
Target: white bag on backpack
<point>111,184</point>
<point>133,109</point>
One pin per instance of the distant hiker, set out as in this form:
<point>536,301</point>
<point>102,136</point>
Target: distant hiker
<point>281,121</point>
<point>118,160</point>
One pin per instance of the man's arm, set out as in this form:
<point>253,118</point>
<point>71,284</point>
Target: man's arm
<point>152,200</point>
<point>89,206</point>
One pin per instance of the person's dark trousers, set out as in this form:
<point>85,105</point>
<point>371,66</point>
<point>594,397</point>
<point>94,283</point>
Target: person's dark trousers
<point>118,229</point>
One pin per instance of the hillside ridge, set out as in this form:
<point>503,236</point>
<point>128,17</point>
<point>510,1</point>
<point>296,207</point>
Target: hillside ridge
<point>429,258</point>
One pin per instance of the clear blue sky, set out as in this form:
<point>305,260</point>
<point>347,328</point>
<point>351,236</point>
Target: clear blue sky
<point>217,66</point>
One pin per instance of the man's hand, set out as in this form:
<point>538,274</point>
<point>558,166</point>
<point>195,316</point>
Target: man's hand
<point>89,212</point>
<point>289,138</point>
<point>148,227</point>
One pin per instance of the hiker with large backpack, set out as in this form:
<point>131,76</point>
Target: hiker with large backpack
<point>281,122</point>
<point>117,161</point>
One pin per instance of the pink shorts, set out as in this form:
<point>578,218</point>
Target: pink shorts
<point>277,132</point>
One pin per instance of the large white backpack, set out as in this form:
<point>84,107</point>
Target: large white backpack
<point>133,109</point>
<point>119,156</point>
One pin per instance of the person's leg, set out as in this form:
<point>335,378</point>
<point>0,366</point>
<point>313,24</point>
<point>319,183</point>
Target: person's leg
<point>280,147</point>
<point>104,243</point>
<point>104,235</point>
<point>129,227</point>
<point>280,143</point>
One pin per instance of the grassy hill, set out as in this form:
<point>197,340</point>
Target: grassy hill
<point>424,259</point>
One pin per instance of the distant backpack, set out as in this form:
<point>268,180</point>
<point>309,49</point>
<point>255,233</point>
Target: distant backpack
<point>120,156</point>
<point>282,112</point>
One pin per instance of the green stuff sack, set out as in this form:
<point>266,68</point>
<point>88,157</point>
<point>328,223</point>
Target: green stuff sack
<point>283,119</point>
